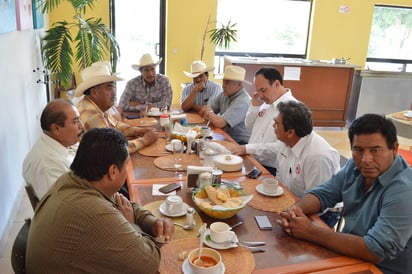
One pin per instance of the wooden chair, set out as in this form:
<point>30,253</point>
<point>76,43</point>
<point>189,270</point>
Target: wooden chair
<point>34,199</point>
<point>18,252</point>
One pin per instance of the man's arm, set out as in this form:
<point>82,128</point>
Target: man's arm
<point>298,225</point>
<point>189,95</point>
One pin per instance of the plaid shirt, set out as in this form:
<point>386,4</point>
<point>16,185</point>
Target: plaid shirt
<point>93,117</point>
<point>137,90</point>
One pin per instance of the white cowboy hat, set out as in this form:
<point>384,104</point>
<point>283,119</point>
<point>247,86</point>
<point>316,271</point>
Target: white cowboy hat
<point>146,60</point>
<point>197,68</point>
<point>98,73</point>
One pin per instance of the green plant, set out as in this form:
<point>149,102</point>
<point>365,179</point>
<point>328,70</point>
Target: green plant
<point>91,43</point>
<point>221,36</point>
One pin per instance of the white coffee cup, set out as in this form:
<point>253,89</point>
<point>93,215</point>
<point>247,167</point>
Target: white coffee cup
<point>208,254</point>
<point>154,111</point>
<point>176,145</point>
<point>221,232</point>
<point>174,204</point>
<point>270,185</point>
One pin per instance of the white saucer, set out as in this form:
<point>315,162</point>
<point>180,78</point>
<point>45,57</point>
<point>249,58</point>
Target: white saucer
<point>154,114</point>
<point>259,188</point>
<point>170,148</point>
<point>214,245</point>
<point>163,210</point>
<point>408,114</point>
<point>188,270</point>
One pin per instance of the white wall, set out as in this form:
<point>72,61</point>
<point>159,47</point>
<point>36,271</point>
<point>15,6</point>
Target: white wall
<point>22,100</point>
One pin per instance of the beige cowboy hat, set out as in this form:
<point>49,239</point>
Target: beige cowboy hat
<point>146,60</point>
<point>98,73</point>
<point>197,68</point>
<point>235,73</point>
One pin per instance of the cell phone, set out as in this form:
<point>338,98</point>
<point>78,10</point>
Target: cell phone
<point>254,173</point>
<point>169,188</point>
<point>132,117</point>
<point>263,222</point>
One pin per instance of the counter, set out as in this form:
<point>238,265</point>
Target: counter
<point>325,88</point>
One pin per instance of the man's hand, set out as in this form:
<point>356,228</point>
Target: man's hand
<point>239,150</point>
<point>256,101</point>
<point>295,223</point>
<point>199,87</point>
<point>149,138</point>
<point>125,207</point>
<point>164,229</point>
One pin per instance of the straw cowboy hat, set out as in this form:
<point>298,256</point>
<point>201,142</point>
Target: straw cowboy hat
<point>197,68</point>
<point>98,73</point>
<point>146,60</point>
<point>235,73</point>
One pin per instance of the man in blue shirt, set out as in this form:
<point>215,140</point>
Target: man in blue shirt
<point>376,189</point>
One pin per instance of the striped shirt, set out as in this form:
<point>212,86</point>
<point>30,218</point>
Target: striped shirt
<point>211,90</point>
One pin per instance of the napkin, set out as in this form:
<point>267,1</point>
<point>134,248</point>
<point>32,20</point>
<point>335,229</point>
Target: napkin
<point>216,147</point>
<point>156,192</point>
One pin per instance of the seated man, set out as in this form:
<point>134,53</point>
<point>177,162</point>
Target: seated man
<point>262,111</point>
<point>304,159</point>
<point>99,90</point>
<point>198,93</point>
<point>376,189</point>
<point>228,109</point>
<point>52,154</point>
<point>149,89</point>
<point>83,225</point>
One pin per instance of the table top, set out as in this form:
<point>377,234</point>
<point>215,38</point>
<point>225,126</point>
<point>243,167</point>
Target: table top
<point>282,253</point>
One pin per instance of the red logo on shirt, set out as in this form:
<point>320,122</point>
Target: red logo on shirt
<point>262,113</point>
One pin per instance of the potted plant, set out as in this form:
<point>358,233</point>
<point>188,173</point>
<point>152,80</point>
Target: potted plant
<point>91,43</point>
<point>222,35</point>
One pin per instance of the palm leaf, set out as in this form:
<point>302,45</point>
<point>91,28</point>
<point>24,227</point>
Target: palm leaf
<point>224,35</point>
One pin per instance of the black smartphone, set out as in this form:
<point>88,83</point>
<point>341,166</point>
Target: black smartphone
<point>263,222</point>
<point>169,188</point>
<point>132,117</point>
<point>254,173</point>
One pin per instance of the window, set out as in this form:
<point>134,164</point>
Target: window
<point>267,27</point>
<point>390,42</point>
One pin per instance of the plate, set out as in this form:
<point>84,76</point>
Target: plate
<point>214,245</point>
<point>170,148</point>
<point>408,114</point>
<point>188,270</point>
<point>259,188</point>
<point>157,114</point>
<point>163,210</point>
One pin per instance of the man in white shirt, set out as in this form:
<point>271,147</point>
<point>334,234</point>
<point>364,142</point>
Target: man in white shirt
<point>269,92</point>
<point>305,160</point>
<point>52,154</point>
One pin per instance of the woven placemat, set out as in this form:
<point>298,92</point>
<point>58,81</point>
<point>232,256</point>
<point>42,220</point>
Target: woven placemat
<point>194,118</point>
<point>167,162</point>
<point>266,203</point>
<point>156,149</point>
<point>141,122</point>
<point>179,232</point>
<point>237,260</point>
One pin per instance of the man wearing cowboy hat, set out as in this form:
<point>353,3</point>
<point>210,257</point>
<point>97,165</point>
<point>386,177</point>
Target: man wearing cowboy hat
<point>198,93</point>
<point>228,109</point>
<point>99,90</point>
<point>148,89</point>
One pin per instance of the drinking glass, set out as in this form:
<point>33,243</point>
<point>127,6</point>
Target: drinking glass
<point>178,149</point>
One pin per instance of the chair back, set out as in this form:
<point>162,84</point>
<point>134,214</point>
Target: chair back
<point>18,252</point>
<point>34,199</point>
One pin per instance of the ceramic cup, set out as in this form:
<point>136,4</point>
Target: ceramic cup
<point>205,131</point>
<point>270,185</point>
<point>154,111</point>
<point>211,258</point>
<point>176,145</point>
<point>174,204</point>
<point>220,232</point>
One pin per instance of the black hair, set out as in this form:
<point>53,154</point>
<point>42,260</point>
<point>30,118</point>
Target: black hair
<point>54,113</point>
<point>374,123</point>
<point>296,116</point>
<point>98,150</point>
<point>272,74</point>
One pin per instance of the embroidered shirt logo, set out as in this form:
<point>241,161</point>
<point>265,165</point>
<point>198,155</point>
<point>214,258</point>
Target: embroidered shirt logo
<point>262,113</point>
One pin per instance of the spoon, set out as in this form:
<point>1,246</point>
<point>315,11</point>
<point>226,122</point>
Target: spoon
<point>185,227</point>
<point>236,225</point>
<point>199,261</point>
